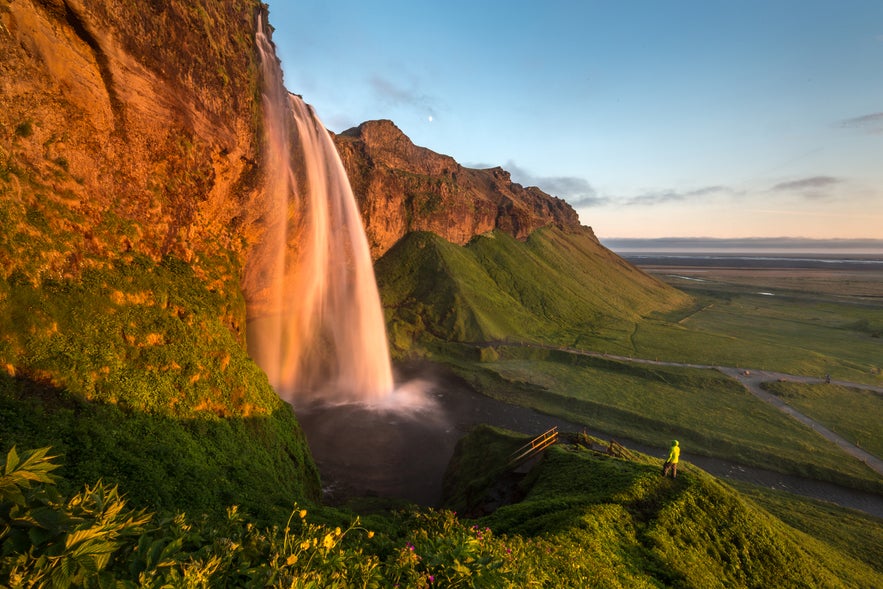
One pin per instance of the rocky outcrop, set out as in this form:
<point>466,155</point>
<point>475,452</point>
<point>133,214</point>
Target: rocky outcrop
<point>402,188</point>
<point>124,129</point>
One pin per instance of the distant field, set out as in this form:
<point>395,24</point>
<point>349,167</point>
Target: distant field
<point>855,414</point>
<point>804,320</point>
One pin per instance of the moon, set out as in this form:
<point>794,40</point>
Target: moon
<point>429,118</point>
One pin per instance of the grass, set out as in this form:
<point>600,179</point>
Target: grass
<point>585,521</point>
<point>856,534</point>
<point>463,305</point>
<point>135,373</point>
<point>565,290</point>
<point>853,413</point>
<point>620,524</point>
<point>708,412</point>
<point>497,288</point>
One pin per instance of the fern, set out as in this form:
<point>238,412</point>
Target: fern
<point>21,471</point>
<point>58,543</point>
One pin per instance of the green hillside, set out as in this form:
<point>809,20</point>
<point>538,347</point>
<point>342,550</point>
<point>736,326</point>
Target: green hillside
<point>555,287</point>
<point>579,518</point>
<point>134,374</point>
<point>611,522</point>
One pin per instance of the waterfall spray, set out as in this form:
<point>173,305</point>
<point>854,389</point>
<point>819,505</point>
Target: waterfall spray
<point>315,322</point>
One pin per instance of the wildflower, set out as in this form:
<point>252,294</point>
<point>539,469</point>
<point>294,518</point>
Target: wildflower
<point>370,533</point>
<point>303,513</point>
<point>328,541</point>
<point>305,544</point>
<point>431,578</point>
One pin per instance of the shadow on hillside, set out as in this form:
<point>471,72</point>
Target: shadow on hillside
<point>159,462</point>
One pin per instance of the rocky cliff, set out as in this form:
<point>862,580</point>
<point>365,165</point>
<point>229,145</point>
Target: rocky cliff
<point>402,188</point>
<point>125,128</point>
<point>130,190</point>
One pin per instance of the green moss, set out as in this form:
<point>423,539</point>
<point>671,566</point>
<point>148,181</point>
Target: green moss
<point>136,375</point>
<point>24,129</point>
<point>619,523</point>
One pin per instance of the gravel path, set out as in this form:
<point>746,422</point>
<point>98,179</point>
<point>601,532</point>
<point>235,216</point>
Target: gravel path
<point>752,380</point>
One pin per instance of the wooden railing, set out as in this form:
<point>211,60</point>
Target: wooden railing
<point>534,447</point>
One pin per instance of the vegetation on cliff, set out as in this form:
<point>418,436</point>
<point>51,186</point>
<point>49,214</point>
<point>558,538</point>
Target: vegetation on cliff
<point>129,153</point>
<point>135,376</point>
<point>585,521</point>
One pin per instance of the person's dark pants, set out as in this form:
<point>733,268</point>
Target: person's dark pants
<point>670,466</point>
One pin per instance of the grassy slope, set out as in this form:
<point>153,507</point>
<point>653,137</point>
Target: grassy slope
<point>134,375</point>
<point>561,289</point>
<point>554,288</point>
<point>566,290</point>
<point>616,523</point>
<point>711,414</point>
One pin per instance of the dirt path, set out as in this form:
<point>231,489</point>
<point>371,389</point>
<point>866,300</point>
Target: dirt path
<point>752,380</point>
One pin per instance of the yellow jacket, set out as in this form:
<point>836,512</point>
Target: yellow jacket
<point>674,453</point>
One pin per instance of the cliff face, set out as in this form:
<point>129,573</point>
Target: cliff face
<point>130,190</point>
<point>124,127</point>
<point>403,188</point>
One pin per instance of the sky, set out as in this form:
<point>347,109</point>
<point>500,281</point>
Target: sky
<point>652,118</point>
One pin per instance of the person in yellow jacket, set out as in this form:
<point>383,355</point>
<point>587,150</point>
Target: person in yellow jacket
<point>671,463</point>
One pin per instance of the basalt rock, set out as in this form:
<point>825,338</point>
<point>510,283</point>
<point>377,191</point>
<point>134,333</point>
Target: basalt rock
<point>402,188</point>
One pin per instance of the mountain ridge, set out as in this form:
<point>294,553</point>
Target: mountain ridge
<point>402,187</point>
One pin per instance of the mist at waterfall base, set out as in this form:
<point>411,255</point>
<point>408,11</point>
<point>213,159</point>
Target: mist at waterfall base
<point>315,322</point>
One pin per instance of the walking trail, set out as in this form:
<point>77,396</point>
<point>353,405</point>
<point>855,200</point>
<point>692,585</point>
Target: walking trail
<point>752,380</point>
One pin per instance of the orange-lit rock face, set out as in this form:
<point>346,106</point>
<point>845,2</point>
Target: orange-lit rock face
<point>402,187</point>
<point>145,143</point>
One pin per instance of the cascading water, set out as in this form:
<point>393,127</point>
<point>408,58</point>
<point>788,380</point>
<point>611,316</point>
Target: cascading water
<point>315,324</point>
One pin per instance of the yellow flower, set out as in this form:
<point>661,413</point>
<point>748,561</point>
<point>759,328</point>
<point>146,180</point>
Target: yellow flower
<point>370,533</point>
<point>303,513</point>
<point>305,544</point>
<point>337,531</point>
<point>328,542</point>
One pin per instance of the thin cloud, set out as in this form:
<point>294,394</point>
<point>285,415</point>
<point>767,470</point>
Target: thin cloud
<point>813,183</point>
<point>575,190</point>
<point>813,188</point>
<point>399,96</point>
<point>872,123</point>
<point>667,196</point>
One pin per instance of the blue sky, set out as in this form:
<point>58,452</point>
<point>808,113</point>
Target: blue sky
<point>714,118</point>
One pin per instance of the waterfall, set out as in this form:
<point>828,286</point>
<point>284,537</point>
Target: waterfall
<point>315,322</point>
